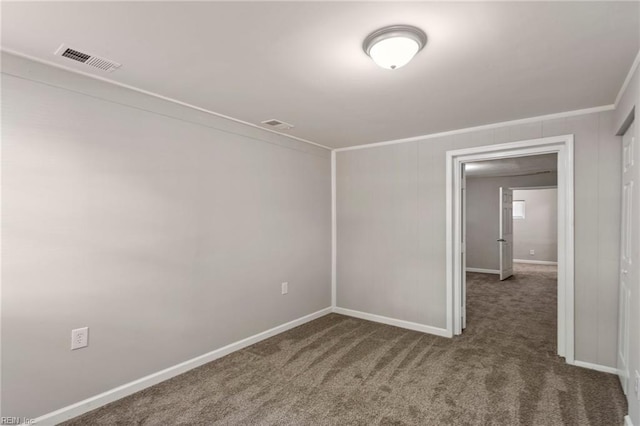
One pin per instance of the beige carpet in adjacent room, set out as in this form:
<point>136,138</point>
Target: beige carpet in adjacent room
<point>339,370</point>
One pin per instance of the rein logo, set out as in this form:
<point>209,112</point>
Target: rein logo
<point>16,421</point>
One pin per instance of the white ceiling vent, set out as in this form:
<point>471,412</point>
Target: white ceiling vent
<point>87,59</point>
<point>277,124</point>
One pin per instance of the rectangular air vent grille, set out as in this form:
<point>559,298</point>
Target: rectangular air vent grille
<point>75,55</point>
<point>277,124</point>
<point>103,64</point>
<point>87,59</point>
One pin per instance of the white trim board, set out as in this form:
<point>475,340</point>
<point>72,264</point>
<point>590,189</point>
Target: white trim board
<point>370,145</point>
<point>535,262</point>
<point>157,95</point>
<point>627,421</point>
<point>94,402</point>
<point>395,322</point>
<point>482,127</point>
<point>563,146</point>
<point>597,367</point>
<point>334,232</point>
<point>627,79</point>
<point>483,271</point>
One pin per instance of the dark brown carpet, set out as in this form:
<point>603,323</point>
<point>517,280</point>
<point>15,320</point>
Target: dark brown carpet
<point>342,371</point>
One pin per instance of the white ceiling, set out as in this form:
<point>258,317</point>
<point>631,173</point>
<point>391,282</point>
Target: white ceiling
<point>518,166</point>
<point>302,62</point>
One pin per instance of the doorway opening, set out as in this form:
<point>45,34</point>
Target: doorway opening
<point>510,222</point>
<point>561,147</point>
<point>510,213</point>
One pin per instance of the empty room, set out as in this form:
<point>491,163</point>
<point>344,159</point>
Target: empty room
<point>319,213</point>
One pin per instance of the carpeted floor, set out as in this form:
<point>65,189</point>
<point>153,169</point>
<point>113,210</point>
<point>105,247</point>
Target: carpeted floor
<point>339,370</point>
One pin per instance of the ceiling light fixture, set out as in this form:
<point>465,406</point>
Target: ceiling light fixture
<point>394,46</point>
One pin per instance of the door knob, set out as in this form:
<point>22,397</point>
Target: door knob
<point>624,271</point>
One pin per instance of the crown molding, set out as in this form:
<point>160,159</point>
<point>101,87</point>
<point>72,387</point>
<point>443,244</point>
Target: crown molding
<point>627,80</point>
<point>156,95</point>
<point>483,127</point>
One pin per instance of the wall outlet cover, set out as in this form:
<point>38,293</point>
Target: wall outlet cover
<point>79,338</point>
<point>532,252</point>
<point>285,288</point>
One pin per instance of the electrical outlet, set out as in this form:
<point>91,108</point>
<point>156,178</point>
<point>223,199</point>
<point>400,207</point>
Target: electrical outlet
<point>285,288</point>
<point>79,338</point>
<point>532,252</point>
<point>637,385</point>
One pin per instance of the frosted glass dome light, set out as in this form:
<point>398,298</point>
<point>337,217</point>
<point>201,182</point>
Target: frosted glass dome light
<point>393,47</point>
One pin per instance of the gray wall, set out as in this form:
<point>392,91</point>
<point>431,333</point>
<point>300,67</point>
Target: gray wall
<point>629,101</point>
<point>483,213</point>
<point>391,248</point>
<point>538,230</point>
<point>165,230</point>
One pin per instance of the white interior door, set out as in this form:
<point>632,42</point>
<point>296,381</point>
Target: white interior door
<point>628,142</point>
<point>463,203</point>
<point>506,233</point>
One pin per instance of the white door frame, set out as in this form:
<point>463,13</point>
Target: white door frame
<point>561,145</point>
<point>624,296</point>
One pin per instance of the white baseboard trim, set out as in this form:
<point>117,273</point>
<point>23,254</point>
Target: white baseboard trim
<point>104,398</point>
<point>484,271</point>
<point>627,421</point>
<point>597,367</point>
<point>535,262</point>
<point>395,322</point>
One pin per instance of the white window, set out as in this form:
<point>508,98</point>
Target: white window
<point>518,209</point>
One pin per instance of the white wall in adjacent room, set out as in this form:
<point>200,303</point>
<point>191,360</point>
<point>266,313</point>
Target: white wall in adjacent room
<point>538,231</point>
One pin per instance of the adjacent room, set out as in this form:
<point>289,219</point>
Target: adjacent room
<point>532,181</point>
<point>511,239</point>
<point>319,213</point>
